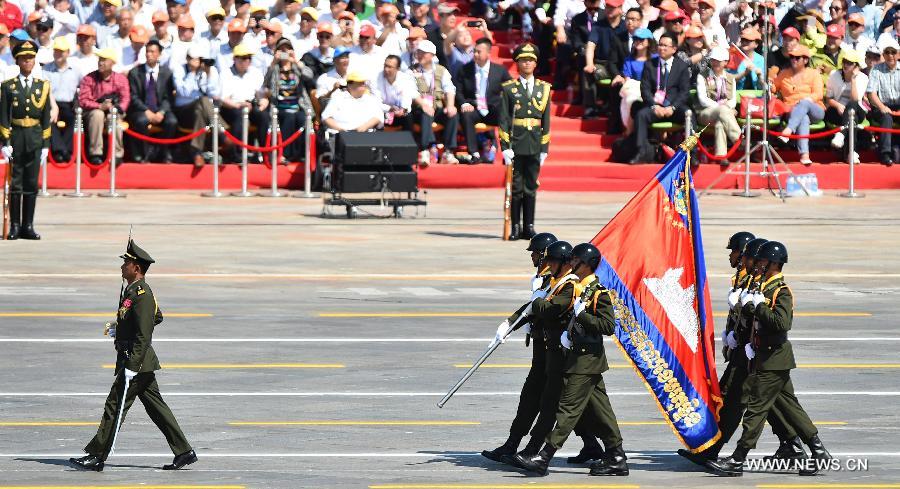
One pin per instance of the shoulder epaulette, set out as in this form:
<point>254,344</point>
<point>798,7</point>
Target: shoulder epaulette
<point>508,82</point>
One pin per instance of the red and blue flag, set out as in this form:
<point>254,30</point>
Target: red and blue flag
<point>653,263</point>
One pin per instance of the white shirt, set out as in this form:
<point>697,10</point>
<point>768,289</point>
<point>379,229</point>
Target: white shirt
<point>241,88</point>
<point>304,44</point>
<point>129,59</point>
<point>395,42</point>
<point>288,28</point>
<point>565,10</point>
<point>860,45</point>
<point>325,82</point>
<point>349,112</point>
<point>836,88</point>
<point>527,84</point>
<point>399,94</point>
<point>482,75</point>
<point>370,64</point>
<point>84,63</point>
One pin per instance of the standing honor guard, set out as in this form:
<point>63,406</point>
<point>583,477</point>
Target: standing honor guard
<point>24,138</point>
<point>524,136</point>
<point>136,363</point>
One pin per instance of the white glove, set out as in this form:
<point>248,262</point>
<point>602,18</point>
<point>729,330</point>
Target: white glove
<point>543,157</point>
<point>734,297</point>
<point>527,328</point>
<point>566,342</point>
<point>129,374</point>
<point>749,351</point>
<point>579,306</point>
<point>758,298</point>
<point>538,294</point>
<point>109,329</point>
<point>730,340</point>
<point>111,333</point>
<point>746,296</point>
<point>44,153</point>
<point>537,283</point>
<point>725,337</point>
<point>7,151</point>
<point>508,156</point>
<point>501,332</point>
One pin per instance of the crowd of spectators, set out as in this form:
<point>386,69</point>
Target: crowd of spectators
<point>421,66</point>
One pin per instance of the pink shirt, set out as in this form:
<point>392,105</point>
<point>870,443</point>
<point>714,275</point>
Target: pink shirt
<point>93,87</point>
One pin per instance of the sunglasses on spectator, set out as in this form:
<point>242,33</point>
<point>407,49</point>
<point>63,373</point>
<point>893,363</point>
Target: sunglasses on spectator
<point>633,18</point>
<point>836,8</point>
<point>217,17</point>
<point>745,40</point>
<point>42,28</point>
<point>666,45</point>
<point>271,33</point>
<point>798,57</point>
<point>323,36</point>
<point>856,24</point>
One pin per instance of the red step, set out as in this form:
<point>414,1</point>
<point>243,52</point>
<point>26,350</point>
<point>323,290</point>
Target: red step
<point>570,124</point>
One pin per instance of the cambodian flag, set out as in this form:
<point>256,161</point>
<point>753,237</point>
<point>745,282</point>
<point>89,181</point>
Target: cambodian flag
<point>653,263</point>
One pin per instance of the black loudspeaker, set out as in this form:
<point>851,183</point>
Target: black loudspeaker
<point>375,162</point>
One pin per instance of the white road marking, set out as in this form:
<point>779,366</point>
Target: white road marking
<point>204,454</point>
<point>40,291</point>
<point>366,340</point>
<point>368,291</point>
<point>423,291</point>
<point>399,394</point>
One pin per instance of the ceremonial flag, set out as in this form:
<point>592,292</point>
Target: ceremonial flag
<point>653,263</point>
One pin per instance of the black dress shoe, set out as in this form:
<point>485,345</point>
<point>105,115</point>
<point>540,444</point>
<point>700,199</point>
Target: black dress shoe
<point>28,232</point>
<point>528,232</point>
<point>508,449</point>
<point>730,467</point>
<point>642,157</point>
<point>788,450</point>
<point>817,452</point>
<point>591,113</point>
<point>537,464</point>
<point>896,154</point>
<point>137,158</point>
<point>180,461</point>
<point>514,232</point>
<point>95,160</point>
<point>88,462</point>
<point>614,463</point>
<point>587,454</point>
<point>13,232</point>
<point>698,458</point>
<point>887,159</point>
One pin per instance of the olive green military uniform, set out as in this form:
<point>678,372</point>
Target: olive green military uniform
<point>137,316</point>
<point>530,397</point>
<point>524,127</point>
<point>24,126</point>
<point>585,364</point>
<point>770,386</point>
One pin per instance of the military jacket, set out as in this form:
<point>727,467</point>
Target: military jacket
<point>138,315</point>
<point>552,316</point>
<point>739,322</point>
<point>772,320</point>
<point>588,328</point>
<point>525,120</point>
<point>25,115</point>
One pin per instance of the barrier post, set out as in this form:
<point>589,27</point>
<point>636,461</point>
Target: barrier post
<point>245,135</point>
<point>44,166</point>
<point>79,132</point>
<point>688,127</point>
<point>307,171</point>
<point>274,158</point>
<point>851,193</point>
<point>215,150</point>
<point>113,127</point>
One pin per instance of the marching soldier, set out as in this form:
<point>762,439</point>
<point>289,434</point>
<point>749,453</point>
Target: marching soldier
<point>771,359</point>
<point>592,318</point>
<point>24,138</point>
<point>136,363</point>
<point>524,136</point>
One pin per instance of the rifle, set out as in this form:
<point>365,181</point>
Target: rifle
<point>507,203</point>
<point>7,180</point>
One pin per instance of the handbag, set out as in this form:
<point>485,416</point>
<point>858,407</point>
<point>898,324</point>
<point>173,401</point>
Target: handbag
<point>754,107</point>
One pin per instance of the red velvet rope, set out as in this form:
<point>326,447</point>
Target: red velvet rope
<point>62,166</point>
<point>177,140</point>
<point>815,135</point>
<point>265,149</point>
<point>727,156</point>
<point>84,156</point>
<point>882,129</point>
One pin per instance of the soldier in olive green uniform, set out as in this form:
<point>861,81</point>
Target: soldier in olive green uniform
<point>524,126</point>
<point>25,138</point>
<point>585,391</point>
<point>136,361</point>
<point>771,359</point>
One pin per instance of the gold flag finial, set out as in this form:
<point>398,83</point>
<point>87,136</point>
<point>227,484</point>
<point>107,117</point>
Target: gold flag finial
<point>691,141</point>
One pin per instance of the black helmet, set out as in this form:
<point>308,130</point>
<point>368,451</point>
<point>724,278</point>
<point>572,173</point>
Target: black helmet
<point>738,240</point>
<point>587,253</point>
<point>752,246</point>
<point>541,241</point>
<point>772,251</point>
<point>560,250</point>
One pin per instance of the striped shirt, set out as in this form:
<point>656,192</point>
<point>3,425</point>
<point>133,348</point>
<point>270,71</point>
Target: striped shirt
<point>886,83</point>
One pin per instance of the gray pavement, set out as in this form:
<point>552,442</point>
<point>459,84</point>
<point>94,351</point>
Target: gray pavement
<point>351,331</point>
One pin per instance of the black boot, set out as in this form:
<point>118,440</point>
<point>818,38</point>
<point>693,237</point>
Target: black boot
<point>732,466</point>
<point>528,217</point>
<point>614,463</point>
<point>590,451</point>
<point>698,458</point>
<point>28,203</point>
<point>88,462</point>
<point>788,450</point>
<point>515,210</point>
<point>537,463</point>
<point>530,450</point>
<point>508,448</point>
<point>15,215</point>
<point>180,461</point>
<point>817,451</point>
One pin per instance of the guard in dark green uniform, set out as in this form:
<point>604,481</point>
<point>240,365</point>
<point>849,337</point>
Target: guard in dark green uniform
<point>524,126</point>
<point>135,360</point>
<point>585,391</point>
<point>771,358</point>
<point>24,138</point>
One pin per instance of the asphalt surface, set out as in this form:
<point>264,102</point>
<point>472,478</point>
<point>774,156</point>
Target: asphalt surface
<point>310,352</point>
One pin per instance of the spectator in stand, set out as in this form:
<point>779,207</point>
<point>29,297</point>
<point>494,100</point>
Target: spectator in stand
<point>64,80</point>
<point>800,87</point>
<point>236,30</point>
<point>196,85</point>
<point>84,59</point>
<point>574,21</point>
<point>845,90</point>
<point>152,91</point>
<point>884,96</point>
<point>826,59</point>
<point>873,57</point>
<point>751,69</point>
<point>321,59</point>
<point>790,38</point>
<point>892,32</point>
<point>673,23</point>
<point>478,87</point>
<point>133,54</point>
<point>694,51</point>
<point>435,102</point>
<point>304,38</point>
<point>256,33</point>
<point>179,48</point>
<point>615,62</point>
<point>41,27</point>
<point>607,34</point>
<point>627,82</point>
<point>87,11</point>
<point>665,88</point>
<point>392,38</point>
<point>367,57</point>
<point>287,81</point>
<point>346,35</point>
<point>176,10</point>
<point>107,26</point>
<point>242,85</point>
<point>459,47</point>
<point>162,34</point>
<point>437,33</point>
<point>353,109</point>
<point>335,78</point>
<point>419,14</point>
<point>98,93</point>
<point>856,37</point>
<point>143,13</point>
<point>217,35</point>
<point>290,17</point>
<point>717,95</point>
<point>734,17</point>
<point>408,58</point>
<point>336,8</point>
<point>10,15</point>
<point>396,90</point>
<point>709,24</point>
<point>65,22</point>
<point>266,55</point>
<point>838,13</point>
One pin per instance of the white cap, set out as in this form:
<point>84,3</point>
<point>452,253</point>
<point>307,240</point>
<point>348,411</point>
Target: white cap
<point>196,51</point>
<point>888,42</point>
<point>719,53</point>
<point>426,46</point>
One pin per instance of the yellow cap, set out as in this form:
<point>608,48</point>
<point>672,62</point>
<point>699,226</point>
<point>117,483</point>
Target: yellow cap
<point>258,8</point>
<point>216,11</point>
<point>852,56</point>
<point>117,3</point>
<point>243,50</point>
<point>356,77</point>
<point>62,43</point>
<point>310,12</point>
<point>106,53</point>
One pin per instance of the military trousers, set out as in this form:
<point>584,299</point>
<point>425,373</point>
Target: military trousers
<point>735,395</point>
<point>768,389</point>
<point>26,166</point>
<point>144,387</point>
<point>525,175</point>
<point>530,397</point>
<point>585,393</point>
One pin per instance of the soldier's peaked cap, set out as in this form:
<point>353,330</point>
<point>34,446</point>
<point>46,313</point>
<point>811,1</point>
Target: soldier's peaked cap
<point>135,252</point>
<point>27,48</point>
<point>526,50</point>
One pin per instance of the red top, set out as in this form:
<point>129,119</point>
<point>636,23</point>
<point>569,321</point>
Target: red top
<point>11,16</point>
<point>93,87</point>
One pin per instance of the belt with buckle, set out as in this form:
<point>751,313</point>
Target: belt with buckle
<point>529,122</point>
<point>26,122</point>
